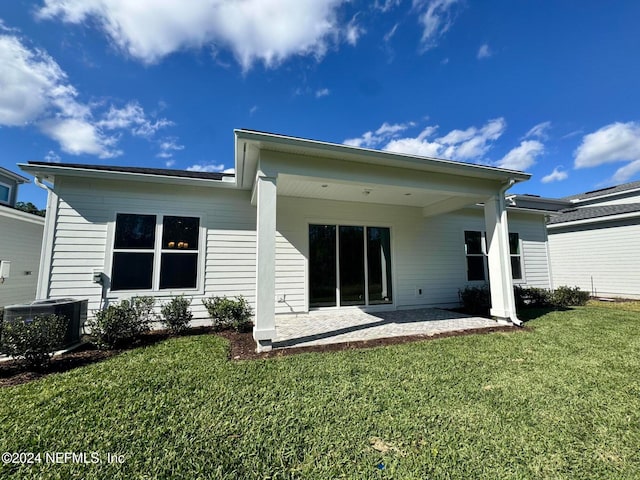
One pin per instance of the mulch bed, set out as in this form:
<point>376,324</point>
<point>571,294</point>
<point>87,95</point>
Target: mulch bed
<point>242,347</point>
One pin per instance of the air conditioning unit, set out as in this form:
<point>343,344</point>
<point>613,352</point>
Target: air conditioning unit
<point>75,311</point>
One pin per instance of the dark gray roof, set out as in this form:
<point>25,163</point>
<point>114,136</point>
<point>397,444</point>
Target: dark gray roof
<point>585,213</point>
<point>166,172</point>
<point>604,191</point>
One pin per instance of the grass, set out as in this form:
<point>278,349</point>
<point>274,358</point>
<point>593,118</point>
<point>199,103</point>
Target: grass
<point>562,401</point>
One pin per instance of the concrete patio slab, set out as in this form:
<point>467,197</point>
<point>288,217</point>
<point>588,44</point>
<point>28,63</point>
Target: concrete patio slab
<point>322,328</point>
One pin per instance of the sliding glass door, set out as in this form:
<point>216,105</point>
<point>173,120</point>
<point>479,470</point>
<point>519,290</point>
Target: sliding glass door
<point>349,265</point>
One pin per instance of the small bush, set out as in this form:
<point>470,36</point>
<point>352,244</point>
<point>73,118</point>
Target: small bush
<point>176,314</point>
<point>229,313</point>
<point>33,340</point>
<point>532,297</point>
<point>120,324</point>
<point>475,300</point>
<point>569,297</point>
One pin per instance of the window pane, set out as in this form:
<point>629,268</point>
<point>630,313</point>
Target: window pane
<point>473,242</point>
<point>379,265</point>
<point>178,270</point>
<point>475,268</point>
<point>135,231</point>
<point>322,266</point>
<point>180,233</point>
<point>132,271</point>
<point>516,268</point>
<point>514,243</point>
<point>351,265</point>
<point>4,193</point>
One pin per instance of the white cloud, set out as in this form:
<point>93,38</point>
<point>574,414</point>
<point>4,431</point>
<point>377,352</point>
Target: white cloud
<point>229,170</point>
<point>538,131</point>
<point>616,142</point>
<point>484,52</point>
<point>167,147</point>
<point>386,5</point>
<point>52,157</point>
<point>436,17</point>
<point>132,117</point>
<point>625,173</point>
<point>77,136</point>
<point>523,156</point>
<point>35,91</point>
<point>389,35</point>
<point>323,92</point>
<point>169,163</point>
<point>383,134</point>
<point>211,167</point>
<point>353,32</point>
<point>253,110</point>
<point>469,144</point>
<point>556,176</point>
<point>254,30</point>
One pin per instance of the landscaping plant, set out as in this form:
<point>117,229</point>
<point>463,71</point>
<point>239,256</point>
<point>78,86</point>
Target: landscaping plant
<point>120,324</point>
<point>33,339</point>
<point>176,315</point>
<point>234,313</point>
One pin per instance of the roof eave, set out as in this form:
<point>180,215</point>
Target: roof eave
<point>49,172</point>
<point>366,155</point>
<point>604,218</point>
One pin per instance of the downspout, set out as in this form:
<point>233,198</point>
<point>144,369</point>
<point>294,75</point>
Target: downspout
<point>513,317</point>
<point>42,291</point>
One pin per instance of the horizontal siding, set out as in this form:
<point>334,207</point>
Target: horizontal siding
<point>21,244</point>
<point>606,258</point>
<point>86,209</point>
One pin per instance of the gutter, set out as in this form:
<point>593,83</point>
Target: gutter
<point>513,315</point>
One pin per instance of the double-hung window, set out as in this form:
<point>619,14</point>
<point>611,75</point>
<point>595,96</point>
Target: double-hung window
<point>155,252</point>
<point>476,254</point>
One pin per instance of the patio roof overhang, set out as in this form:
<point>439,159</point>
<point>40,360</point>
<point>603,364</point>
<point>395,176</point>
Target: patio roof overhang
<point>313,169</point>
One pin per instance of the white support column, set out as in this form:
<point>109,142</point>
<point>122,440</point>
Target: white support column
<point>503,305</point>
<point>264,330</point>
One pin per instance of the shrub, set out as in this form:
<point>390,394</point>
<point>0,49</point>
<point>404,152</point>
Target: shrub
<point>34,340</point>
<point>569,297</point>
<point>229,313</point>
<point>120,324</point>
<point>475,300</point>
<point>532,297</point>
<point>176,314</point>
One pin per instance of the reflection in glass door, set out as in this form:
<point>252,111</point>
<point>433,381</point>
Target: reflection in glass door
<point>349,265</point>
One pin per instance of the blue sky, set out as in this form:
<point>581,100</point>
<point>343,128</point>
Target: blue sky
<point>543,86</point>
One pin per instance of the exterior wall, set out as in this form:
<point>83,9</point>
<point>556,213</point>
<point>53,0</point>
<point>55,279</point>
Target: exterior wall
<point>83,237</point>
<point>20,243</point>
<point>604,253</point>
<point>428,253</point>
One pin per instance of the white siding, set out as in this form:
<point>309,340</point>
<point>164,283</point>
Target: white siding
<point>605,254</point>
<point>86,213</point>
<point>428,253</point>
<point>20,243</point>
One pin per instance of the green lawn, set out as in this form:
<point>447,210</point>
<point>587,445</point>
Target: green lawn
<point>562,401</point>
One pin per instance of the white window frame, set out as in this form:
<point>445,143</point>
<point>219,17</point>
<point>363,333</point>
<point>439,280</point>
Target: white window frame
<point>484,254</point>
<point>9,193</point>
<point>157,252</point>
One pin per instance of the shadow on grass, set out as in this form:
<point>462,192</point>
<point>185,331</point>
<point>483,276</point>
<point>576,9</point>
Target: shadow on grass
<point>16,372</point>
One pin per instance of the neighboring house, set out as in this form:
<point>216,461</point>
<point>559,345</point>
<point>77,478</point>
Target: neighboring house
<point>593,243</point>
<point>20,244</point>
<point>301,225</point>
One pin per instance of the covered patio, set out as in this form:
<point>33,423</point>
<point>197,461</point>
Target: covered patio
<point>324,327</point>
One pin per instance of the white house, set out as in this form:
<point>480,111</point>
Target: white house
<point>301,225</point>
<point>593,242</point>
<point>20,244</point>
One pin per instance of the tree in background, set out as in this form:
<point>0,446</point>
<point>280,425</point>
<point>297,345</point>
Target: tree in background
<point>30,208</point>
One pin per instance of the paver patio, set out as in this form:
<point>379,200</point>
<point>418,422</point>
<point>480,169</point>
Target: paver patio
<point>322,328</point>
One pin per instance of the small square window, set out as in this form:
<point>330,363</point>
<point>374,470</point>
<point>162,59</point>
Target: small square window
<point>178,270</point>
<point>4,193</point>
<point>135,231</point>
<point>180,233</point>
<point>132,271</point>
